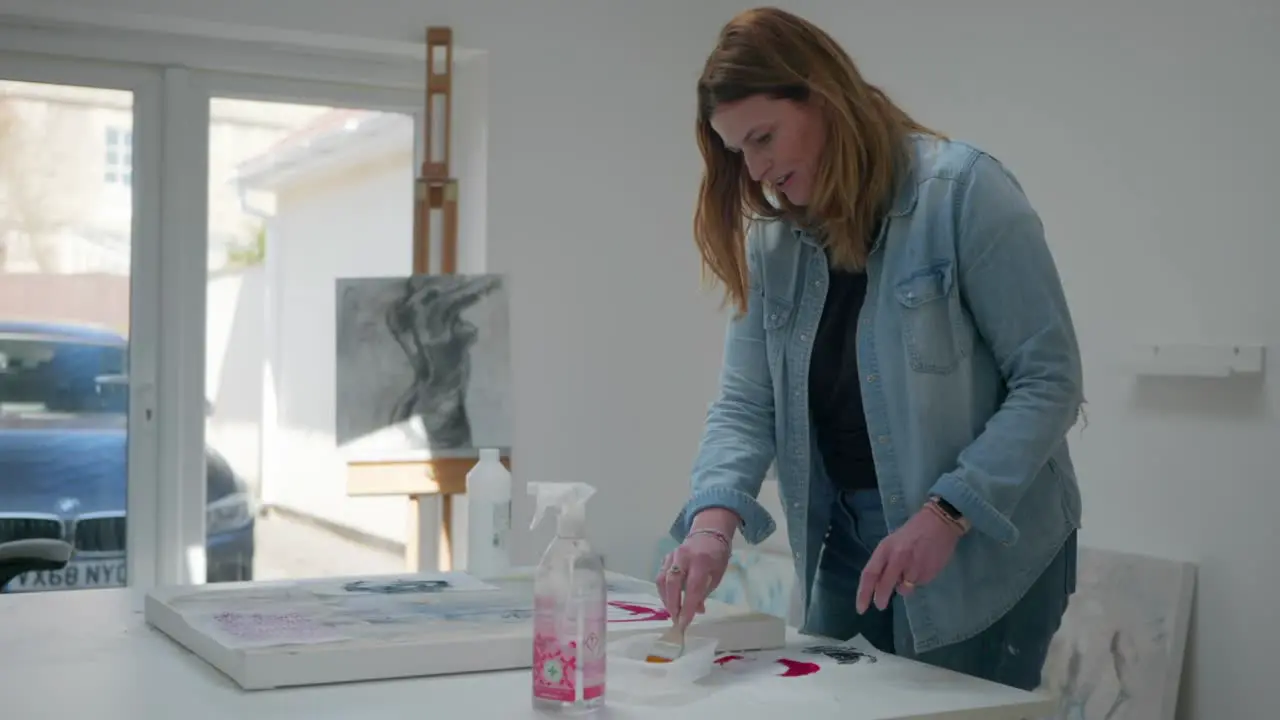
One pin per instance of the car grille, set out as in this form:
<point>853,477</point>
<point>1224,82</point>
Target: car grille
<point>21,527</point>
<point>100,534</point>
<point>90,533</point>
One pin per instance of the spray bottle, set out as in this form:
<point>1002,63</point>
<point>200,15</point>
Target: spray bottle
<point>569,606</point>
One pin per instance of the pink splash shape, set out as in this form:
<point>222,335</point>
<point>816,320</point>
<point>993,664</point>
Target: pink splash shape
<point>797,668</point>
<point>639,613</point>
<point>791,668</point>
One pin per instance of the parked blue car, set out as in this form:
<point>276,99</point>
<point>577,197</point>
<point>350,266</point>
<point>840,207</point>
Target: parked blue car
<point>63,459</point>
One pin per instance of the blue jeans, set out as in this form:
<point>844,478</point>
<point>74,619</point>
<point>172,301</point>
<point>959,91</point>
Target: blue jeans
<point>1011,652</point>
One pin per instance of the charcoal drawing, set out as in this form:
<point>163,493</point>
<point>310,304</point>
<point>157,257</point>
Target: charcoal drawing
<point>423,364</point>
<point>397,586</point>
<point>842,654</point>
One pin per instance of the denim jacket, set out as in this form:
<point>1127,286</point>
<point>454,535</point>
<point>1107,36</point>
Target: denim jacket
<point>970,376</point>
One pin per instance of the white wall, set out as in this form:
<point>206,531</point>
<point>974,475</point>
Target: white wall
<point>470,161</point>
<point>235,340</point>
<point>1140,128</point>
<point>366,212</point>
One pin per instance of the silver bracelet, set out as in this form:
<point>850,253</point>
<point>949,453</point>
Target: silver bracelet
<point>713,533</point>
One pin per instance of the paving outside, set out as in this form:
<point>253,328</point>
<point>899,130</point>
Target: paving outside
<point>290,549</point>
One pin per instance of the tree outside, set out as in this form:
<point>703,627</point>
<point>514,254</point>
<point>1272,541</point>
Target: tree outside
<point>44,181</point>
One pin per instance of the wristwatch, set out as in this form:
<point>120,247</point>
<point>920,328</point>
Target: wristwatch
<point>952,512</point>
<point>948,507</point>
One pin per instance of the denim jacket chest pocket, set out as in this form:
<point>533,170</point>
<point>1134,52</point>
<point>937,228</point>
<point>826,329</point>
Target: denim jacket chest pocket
<point>777,326</point>
<point>935,332</point>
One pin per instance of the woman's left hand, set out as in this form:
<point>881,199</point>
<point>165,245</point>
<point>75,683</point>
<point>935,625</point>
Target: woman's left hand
<point>911,555</point>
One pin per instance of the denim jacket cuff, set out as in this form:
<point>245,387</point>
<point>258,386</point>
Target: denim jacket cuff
<point>757,524</point>
<point>985,518</point>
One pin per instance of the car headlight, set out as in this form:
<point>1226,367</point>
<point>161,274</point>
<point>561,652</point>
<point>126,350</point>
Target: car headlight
<point>228,513</point>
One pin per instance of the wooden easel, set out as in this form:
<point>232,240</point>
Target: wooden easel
<point>429,484</point>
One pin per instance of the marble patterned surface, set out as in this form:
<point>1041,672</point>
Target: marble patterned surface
<point>1119,653</point>
<point>422,365</point>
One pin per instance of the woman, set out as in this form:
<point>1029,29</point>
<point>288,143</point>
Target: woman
<point>901,349</point>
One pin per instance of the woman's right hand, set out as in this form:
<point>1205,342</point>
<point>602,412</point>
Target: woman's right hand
<point>691,571</point>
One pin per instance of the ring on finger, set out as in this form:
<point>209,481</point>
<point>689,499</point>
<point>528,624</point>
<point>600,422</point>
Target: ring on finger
<point>675,569</point>
<point>908,584</point>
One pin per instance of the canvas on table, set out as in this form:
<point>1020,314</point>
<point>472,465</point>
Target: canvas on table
<point>423,366</point>
<point>309,632</point>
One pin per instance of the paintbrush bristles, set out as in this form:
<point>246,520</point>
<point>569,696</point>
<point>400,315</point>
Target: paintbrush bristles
<point>674,636</point>
<point>669,646</point>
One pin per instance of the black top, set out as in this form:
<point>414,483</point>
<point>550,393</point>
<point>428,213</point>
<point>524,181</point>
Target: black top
<point>835,395</point>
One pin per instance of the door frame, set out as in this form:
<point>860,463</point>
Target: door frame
<point>193,91</point>
<point>169,279</point>
<point>145,333</point>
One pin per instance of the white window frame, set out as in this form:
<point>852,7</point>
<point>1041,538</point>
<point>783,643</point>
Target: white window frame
<point>184,69</point>
<point>142,505</point>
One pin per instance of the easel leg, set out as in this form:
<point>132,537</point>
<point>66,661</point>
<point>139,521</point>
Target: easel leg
<point>429,540</point>
<point>444,539</point>
<point>413,535</point>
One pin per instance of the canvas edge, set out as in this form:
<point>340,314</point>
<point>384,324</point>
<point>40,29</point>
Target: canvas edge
<point>1182,630</point>
<point>169,622</point>
<point>310,665</point>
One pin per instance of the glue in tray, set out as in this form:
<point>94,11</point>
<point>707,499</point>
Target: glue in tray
<point>627,664</point>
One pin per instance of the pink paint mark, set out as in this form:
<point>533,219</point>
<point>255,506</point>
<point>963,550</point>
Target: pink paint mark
<point>797,668</point>
<point>790,668</point>
<point>639,613</point>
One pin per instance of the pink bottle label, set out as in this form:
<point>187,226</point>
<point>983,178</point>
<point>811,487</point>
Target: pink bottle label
<point>560,666</point>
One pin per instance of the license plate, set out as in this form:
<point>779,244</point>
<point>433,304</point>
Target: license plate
<point>76,575</point>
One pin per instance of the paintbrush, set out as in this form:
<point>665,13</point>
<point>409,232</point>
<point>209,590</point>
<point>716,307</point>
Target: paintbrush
<point>669,646</point>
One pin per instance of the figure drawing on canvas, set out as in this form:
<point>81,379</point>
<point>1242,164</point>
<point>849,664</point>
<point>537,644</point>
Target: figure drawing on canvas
<point>422,364</point>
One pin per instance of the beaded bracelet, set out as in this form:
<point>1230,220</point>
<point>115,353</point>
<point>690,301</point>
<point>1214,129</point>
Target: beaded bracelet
<point>713,533</point>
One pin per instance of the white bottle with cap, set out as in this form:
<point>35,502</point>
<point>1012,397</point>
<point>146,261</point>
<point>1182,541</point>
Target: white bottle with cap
<point>488,516</point>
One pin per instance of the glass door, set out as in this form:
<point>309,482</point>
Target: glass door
<point>78,286</point>
<point>307,183</point>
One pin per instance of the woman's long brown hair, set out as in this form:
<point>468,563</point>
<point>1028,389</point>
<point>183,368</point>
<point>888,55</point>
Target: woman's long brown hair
<point>771,52</point>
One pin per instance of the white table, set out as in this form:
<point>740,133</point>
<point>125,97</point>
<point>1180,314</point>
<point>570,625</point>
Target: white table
<point>88,653</point>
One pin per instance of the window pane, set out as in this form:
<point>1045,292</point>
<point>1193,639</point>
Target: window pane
<point>299,196</point>
<point>65,245</point>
